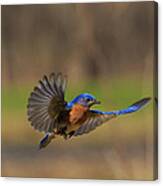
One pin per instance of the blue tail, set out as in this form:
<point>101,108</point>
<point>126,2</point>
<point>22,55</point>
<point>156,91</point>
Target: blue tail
<point>134,107</point>
<point>46,140</point>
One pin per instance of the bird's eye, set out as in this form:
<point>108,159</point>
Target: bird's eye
<point>88,99</point>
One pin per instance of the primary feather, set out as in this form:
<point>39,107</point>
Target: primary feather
<point>46,102</point>
<point>96,118</point>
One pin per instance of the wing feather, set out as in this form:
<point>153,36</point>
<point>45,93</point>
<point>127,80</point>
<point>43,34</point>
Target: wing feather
<point>94,120</point>
<point>46,102</point>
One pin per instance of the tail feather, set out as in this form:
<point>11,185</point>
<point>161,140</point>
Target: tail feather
<point>46,140</point>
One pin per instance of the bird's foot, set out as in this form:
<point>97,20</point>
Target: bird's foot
<point>71,134</point>
<point>65,135</point>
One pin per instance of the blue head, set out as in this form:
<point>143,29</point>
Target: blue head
<point>85,99</point>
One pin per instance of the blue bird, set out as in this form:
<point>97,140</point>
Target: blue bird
<point>48,111</point>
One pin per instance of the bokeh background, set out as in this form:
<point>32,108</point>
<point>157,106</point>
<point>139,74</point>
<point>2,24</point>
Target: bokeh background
<point>106,49</point>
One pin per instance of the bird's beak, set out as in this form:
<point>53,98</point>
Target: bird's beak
<point>94,102</point>
<point>97,102</point>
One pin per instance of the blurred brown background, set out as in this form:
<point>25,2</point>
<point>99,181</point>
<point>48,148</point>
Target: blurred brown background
<point>106,49</point>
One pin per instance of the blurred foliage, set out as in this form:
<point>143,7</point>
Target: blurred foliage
<point>81,40</point>
<point>105,49</point>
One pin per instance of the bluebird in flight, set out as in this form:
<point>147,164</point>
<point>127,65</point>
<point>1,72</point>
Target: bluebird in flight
<point>48,111</point>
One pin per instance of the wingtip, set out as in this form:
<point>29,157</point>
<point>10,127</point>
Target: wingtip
<point>142,102</point>
<point>147,99</point>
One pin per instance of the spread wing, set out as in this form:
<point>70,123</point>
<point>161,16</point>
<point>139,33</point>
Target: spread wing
<point>97,118</point>
<point>46,102</point>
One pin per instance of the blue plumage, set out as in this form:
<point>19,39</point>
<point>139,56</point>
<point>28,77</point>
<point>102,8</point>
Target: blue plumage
<point>43,142</point>
<point>96,118</point>
<point>81,99</point>
<point>48,111</point>
<point>133,108</point>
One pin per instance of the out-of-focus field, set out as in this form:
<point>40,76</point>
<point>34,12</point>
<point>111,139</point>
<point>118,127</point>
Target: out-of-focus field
<point>120,149</point>
<point>106,49</point>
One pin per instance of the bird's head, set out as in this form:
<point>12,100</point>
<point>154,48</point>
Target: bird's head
<point>86,100</point>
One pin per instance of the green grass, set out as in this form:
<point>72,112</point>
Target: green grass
<point>15,99</point>
<point>117,93</point>
<point>114,95</point>
<point>108,152</point>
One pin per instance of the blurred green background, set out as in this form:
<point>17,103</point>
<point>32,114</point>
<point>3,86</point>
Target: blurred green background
<point>106,49</point>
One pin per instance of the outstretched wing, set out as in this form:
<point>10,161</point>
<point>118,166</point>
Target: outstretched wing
<point>46,102</point>
<point>96,118</point>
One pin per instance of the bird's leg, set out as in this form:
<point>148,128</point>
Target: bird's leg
<point>71,134</point>
<point>64,133</point>
<point>65,136</point>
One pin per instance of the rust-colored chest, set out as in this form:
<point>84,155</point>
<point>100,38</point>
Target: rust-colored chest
<point>78,114</point>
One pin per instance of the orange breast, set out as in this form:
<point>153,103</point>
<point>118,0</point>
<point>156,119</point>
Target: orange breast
<point>78,114</point>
